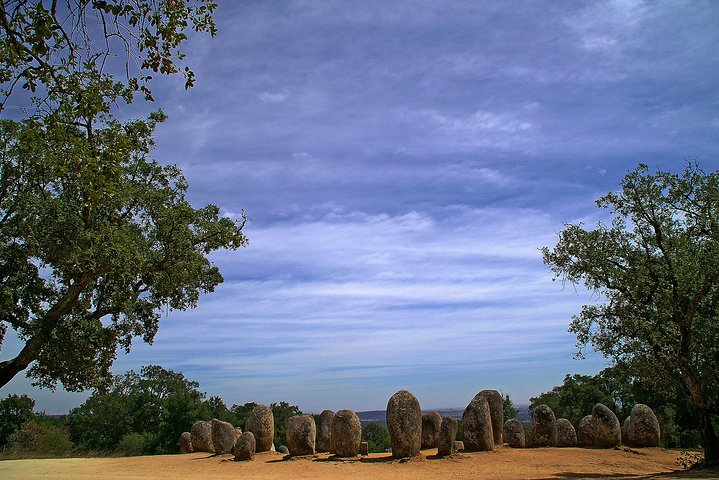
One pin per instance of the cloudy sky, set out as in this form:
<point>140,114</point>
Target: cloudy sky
<point>402,163</point>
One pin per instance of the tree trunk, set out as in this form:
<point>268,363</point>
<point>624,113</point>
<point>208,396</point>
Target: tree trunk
<point>10,368</point>
<point>709,438</point>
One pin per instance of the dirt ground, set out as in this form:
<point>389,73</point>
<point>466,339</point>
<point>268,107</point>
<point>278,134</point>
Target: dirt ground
<point>502,463</point>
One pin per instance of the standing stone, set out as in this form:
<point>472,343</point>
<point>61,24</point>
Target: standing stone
<point>566,436</point>
<point>606,427</point>
<point>201,435</point>
<point>223,436</point>
<point>496,410</point>
<point>324,430</point>
<point>364,448</point>
<point>346,434</point>
<point>262,425</point>
<point>245,447</point>
<point>514,433</point>
<point>404,422</point>
<point>544,427</point>
<point>185,442</point>
<point>283,450</point>
<point>447,436</point>
<point>477,425</point>
<point>642,429</point>
<point>585,435</point>
<point>301,432</point>
<point>431,423</point>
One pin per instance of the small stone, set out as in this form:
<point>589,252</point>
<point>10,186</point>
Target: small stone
<point>642,429</point>
<point>346,434</point>
<point>447,436</point>
<point>431,423</point>
<point>544,427</point>
<point>585,436</point>
<point>283,450</point>
<point>223,436</point>
<point>262,425</point>
<point>364,448</point>
<point>566,436</point>
<point>514,433</point>
<point>606,427</point>
<point>324,430</point>
<point>245,447</point>
<point>185,443</point>
<point>201,435</point>
<point>496,411</point>
<point>477,425</point>
<point>458,446</point>
<point>404,422</point>
<point>301,432</point>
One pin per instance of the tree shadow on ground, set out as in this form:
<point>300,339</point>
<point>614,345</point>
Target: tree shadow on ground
<point>675,475</point>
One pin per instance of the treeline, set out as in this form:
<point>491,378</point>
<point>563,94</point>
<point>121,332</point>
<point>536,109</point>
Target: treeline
<point>140,414</point>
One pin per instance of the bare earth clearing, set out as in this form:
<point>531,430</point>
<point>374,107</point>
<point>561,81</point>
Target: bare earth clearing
<point>502,463</point>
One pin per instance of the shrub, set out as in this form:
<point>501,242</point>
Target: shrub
<point>377,437</point>
<point>42,439</point>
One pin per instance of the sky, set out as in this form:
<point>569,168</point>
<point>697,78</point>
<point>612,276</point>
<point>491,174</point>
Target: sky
<point>402,163</point>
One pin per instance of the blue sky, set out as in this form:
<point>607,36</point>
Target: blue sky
<point>402,163</point>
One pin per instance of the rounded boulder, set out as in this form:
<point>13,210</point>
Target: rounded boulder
<point>245,447</point>
<point>185,443</point>
<point>606,427</point>
<point>585,435</point>
<point>566,435</point>
<point>431,423</point>
<point>324,430</point>
<point>223,436</point>
<point>496,411</point>
<point>544,427</point>
<point>404,422</point>
<point>447,436</point>
<point>642,429</point>
<point>301,432</point>
<point>477,426</point>
<point>201,435</point>
<point>262,425</point>
<point>514,434</point>
<point>346,434</point>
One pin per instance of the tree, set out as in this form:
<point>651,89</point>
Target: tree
<point>242,413</point>
<point>656,267</point>
<point>576,397</point>
<point>377,437</point>
<point>96,239</point>
<point>67,53</point>
<point>15,410</point>
<point>508,408</point>
<point>158,404</point>
<point>281,412</point>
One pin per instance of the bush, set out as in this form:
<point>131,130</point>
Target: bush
<point>42,439</point>
<point>132,444</point>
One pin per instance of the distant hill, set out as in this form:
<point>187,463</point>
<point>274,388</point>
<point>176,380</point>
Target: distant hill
<point>380,416</point>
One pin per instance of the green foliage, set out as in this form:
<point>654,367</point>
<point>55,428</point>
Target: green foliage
<point>509,410</point>
<point>281,412</point>
<point>14,412</point>
<point>96,240</point>
<point>657,268</point>
<point>42,439</point>
<point>158,404</point>
<point>242,412</point>
<point>62,52</point>
<point>134,443</point>
<point>217,409</point>
<point>377,437</point>
<point>576,397</point>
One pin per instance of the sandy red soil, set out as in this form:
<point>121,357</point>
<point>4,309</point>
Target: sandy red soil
<point>502,463</point>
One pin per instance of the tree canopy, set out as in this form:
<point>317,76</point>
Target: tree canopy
<point>96,238</point>
<point>656,271</point>
<point>84,55</point>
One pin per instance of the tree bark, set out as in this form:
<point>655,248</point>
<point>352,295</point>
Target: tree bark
<point>710,443</point>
